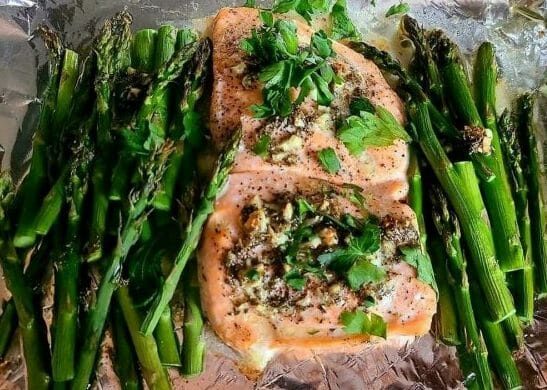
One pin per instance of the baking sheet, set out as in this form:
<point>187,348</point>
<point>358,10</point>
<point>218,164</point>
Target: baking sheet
<point>522,52</point>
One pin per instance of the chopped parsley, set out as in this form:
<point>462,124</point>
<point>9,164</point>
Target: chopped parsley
<point>304,206</point>
<point>295,280</point>
<point>305,8</point>
<point>329,160</point>
<point>396,9</point>
<point>353,261</point>
<point>252,274</point>
<point>285,68</point>
<point>420,260</point>
<point>262,146</point>
<point>359,322</point>
<point>341,25</point>
<point>370,129</point>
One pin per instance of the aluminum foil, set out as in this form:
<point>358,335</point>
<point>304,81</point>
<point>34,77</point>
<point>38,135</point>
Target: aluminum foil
<point>424,363</point>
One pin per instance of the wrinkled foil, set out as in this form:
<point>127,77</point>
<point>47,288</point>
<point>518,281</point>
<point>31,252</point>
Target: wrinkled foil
<point>422,364</point>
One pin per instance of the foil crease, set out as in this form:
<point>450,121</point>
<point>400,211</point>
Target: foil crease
<point>422,364</point>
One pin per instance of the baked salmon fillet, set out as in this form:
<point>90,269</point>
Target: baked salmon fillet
<point>272,280</point>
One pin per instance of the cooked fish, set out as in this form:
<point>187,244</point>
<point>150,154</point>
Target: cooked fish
<point>260,315</point>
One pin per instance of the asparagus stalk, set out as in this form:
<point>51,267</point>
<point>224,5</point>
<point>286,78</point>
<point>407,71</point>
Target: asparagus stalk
<point>165,46</point>
<point>125,361</point>
<point>143,50</point>
<point>68,269</point>
<point>65,92</point>
<point>473,353</point>
<point>146,348</point>
<point>496,189</point>
<point>193,232</point>
<point>423,59</point>
<point>111,52</point>
<point>151,167</point>
<point>31,325</point>
<point>193,346</point>
<point>458,181</point>
<point>35,182</point>
<point>193,89</point>
<point>8,324</point>
<point>523,280</point>
<point>533,174</point>
<point>499,352</point>
<point>167,340</point>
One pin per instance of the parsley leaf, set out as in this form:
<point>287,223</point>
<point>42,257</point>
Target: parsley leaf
<point>305,8</point>
<point>360,247</point>
<point>262,146</point>
<point>329,160</point>
<point>395,9</point>
<point>361,104</point>
<point>284,67</point>
<point>371,130</point>
<point>252,274</point>
<point>421,261</point>
<point>358,322</point>
<point>304,206</point>
<point>295,280</point>
<point>364,272</point>
<point>341,24</point>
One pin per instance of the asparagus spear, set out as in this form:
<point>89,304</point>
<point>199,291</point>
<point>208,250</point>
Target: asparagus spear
<point>151,165</point>
<point>35,182</point>
<point>423,60</point>
<point>193,232</point>
<point>167,340</point>
<point>143,49</point>
<point>193,89</point>
<point>458,181</point>
<point>31,325</point>
<point>111,51</point>
<point>496,189</point>
<point>68,269</point>
<point>533,174</point>
<point>8,324</point>
<point>125,361</point>
<point>165,45</point>
<point>473,353</point>
<point>146,348</point>
<point>523,280</point>
<point>499,352</point>
<point>193,346</point>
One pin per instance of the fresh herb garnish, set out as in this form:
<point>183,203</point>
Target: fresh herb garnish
<point>304,206</point>
<point>341,24</point>
<point>361,104</point>
<point>359,322</point>
<point>419,260</point>
<point>396,9</point>
<point>262,146</point>
<point>329,160</point>
<point>353,261</point>
<point>370,129</point>
<point>252,274</point>
<point>295,280</point>
<point>285,68</point>
<point>363,272</point>
<point>250,3</point>
<point>305,8</point>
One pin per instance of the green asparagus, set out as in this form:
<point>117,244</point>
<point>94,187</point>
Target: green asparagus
<point>193,232</point>
<point>125,361</point>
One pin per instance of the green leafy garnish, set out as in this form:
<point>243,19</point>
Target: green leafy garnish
<point>361,104</point>
<point>304,206</point>
<point>353,261</point>
<point>262,146</point>
<point>295,280</point>
<point>329,160</point>
<point>363,272</point>
<point>341,24</point>
<point>252,274</point>
<point>371,130</point>
<point>396,9</point>
<point>419,260</point>
<point>250,3</point>
<point>359,322</point>
<point>305,8</point>
<point>284,67</point>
